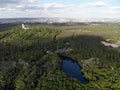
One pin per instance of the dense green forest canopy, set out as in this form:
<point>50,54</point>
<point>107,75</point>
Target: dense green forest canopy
<point>29,59</point>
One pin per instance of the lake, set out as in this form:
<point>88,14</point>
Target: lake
<point>72,69</point>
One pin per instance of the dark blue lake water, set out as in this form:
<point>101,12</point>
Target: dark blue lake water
<point>73,70</point>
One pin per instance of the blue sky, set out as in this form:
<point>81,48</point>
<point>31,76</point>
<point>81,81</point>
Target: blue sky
<point>60,8</point>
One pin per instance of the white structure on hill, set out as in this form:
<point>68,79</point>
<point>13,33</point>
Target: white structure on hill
<point>24,27</point>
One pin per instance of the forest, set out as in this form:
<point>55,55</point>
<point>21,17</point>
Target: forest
<point>30,59</point>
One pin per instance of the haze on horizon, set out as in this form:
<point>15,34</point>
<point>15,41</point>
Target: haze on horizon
<point>60,8</point>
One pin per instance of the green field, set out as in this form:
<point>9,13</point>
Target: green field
<point>28,58</point>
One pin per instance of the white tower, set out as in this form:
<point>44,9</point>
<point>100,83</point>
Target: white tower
<point>24,27</point>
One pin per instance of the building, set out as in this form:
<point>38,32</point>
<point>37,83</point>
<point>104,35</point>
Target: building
<point>24,27</point>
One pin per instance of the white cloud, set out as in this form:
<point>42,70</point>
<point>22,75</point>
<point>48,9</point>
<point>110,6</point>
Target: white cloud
<point>31,1</point>
<point>16,2</point>
<point>36,10</point>
<point>47,7</point>
<point>98,4</point>
<point>26,7</point>
<point>29,8</point>
<point>115,8</point>
<point>56,6</point>
<point>9,1</point>
<point>94,4</point>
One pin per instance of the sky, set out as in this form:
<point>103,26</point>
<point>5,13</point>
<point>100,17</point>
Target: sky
<point>60,8</point>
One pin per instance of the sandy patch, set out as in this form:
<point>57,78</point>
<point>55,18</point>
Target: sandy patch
<point>110,44</point>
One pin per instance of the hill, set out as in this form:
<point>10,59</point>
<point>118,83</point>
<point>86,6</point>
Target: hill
<point>29,59</point>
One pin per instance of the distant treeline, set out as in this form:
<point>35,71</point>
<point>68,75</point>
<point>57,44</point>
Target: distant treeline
<point>6,26</point>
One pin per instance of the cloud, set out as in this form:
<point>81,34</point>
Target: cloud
<point>115,8</point>
<point>30,8</point>
<point>18,5</point>
<point>12,2</point>
<point>9,1</point>
<point>31,1</point>
<point>34,7</point>
<point>98,4</point>
<point>52,6</point>
<point>94,4</point>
